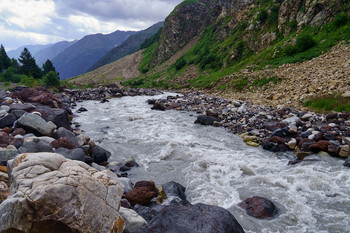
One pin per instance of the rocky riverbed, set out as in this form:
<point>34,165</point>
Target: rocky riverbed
<point>57,175</point>
<point>277,129</point>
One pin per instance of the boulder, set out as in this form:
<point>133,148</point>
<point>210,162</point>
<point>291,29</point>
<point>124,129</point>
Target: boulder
<point>175,192</point>
<point>158,106</point>
<point>65,133</point>
<point>189,218</point>
<point>36,124</point>
<point>321,145</point>
<point>133,221</point>
<point>142,193</point>
<point>344,151</point>
<point>259,207</point>
<point>35,145</point>
<point>8,120</point>
<point>46,99</point>
<point>347,162</point>
<point>73,197</point>
<point>82,109</point>
<point>206,120</point>
<point>63,142</point>
<point>8,154</point>
<point>22,107</point>
<point>99,154</point>
<point>73,154</point>
<point>58,116</point>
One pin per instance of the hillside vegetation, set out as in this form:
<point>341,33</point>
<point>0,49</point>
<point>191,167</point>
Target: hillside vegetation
<point>242,38</point>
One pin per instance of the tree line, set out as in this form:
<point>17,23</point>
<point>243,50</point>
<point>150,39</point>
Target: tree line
<point>25,71</point>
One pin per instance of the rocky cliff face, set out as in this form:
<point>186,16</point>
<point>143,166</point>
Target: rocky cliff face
<point>190,18</point>
<point>187,21</point>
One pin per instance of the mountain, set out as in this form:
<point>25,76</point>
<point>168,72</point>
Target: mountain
<point>129,46</point>
<point>32,49</point>
<point>51,51</point>
<point>79,57</point>
<point>218,45</point>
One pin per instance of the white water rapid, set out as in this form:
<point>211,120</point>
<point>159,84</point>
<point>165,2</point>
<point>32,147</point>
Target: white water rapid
<point>217,168</point>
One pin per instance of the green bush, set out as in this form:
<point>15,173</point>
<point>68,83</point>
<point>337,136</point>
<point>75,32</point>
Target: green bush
<point>181,62</point>
<point>304,42</point>
<point>262,16</point>
<point>28,81</point>
<point>293,25</point>
<point>51,79</point>
<point>241,26</point>
<point>340,20</point>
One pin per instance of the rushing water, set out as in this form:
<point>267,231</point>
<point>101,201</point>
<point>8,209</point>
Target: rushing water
<point>217,168</point>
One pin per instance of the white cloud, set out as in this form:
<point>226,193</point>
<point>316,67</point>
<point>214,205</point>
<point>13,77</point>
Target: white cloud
<point>27,14</point>
<point>24,22</point>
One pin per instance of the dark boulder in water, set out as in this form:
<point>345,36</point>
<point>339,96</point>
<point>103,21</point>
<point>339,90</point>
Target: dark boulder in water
<point>206,120</point>
<point>259,207</point>
<point>189,218</point>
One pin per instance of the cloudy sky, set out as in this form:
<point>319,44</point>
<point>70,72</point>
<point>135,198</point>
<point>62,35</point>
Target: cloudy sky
<point>26,22</point>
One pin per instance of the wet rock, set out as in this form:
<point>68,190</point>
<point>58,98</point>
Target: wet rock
<point>142,193</point>
<point>158,106</point>
<point>131,163</point>
<point>70,194</point>
<point>193,219</point>
<point>36,124</point>
<point>133,221</point>
<point>124,168</point>
<point>82,109</point>
<point>151,101</point>
<point>63,142</point>
<point>259,207</point>
<point>302,154</point>
<point>148,213</point>
<point>347,162</point>
<point>175,192</point>
<point>35,145</point>
<point>99,154</point>
<point>73,154</point>
<point>8,120</point>
<point>206,120</point>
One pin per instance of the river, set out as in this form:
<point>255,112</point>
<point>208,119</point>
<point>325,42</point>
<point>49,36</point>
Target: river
<point>217,168</point>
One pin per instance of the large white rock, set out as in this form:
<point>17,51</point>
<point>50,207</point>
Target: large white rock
<point>49,193</point>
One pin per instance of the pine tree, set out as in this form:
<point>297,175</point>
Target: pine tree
<point>5,61</point>
<point>48,66</point>
<point>29,66</point>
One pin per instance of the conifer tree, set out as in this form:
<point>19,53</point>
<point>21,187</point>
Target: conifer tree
<point>48,66</point>
<point>29,66</point>
<point>5,61</point>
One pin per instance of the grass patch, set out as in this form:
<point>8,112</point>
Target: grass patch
<point>328,103</point>
<point>147,54</point>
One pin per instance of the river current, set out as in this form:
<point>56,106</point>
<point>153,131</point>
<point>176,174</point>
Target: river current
<point>217,168</point>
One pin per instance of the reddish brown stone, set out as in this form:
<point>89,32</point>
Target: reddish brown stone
<point>321,145</point>
<point>63,142</point>
<point>46,99</point>
<point>302,141</point>
<point>18,131</point>
<point>17,142</point>
<point>142,193</point>
<point>4,138</point>
<point>259,207</point>
<point>7,130</point>
<point>277,140</point>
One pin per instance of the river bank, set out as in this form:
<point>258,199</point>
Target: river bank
<point>79,147</point>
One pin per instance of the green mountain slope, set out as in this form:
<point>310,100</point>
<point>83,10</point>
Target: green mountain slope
<point>79,57</point>
<point>239,35</point>
<point>129,46</point>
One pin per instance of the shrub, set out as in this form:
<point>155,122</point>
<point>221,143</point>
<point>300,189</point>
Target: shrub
<point>181,62</point>
<point>241,26</point>
<point>51,79</point>
<point>28,81</point>
<point>293,25</point>
<point>304,42</point>
<point>340,20</point>
<point>262,16</point>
